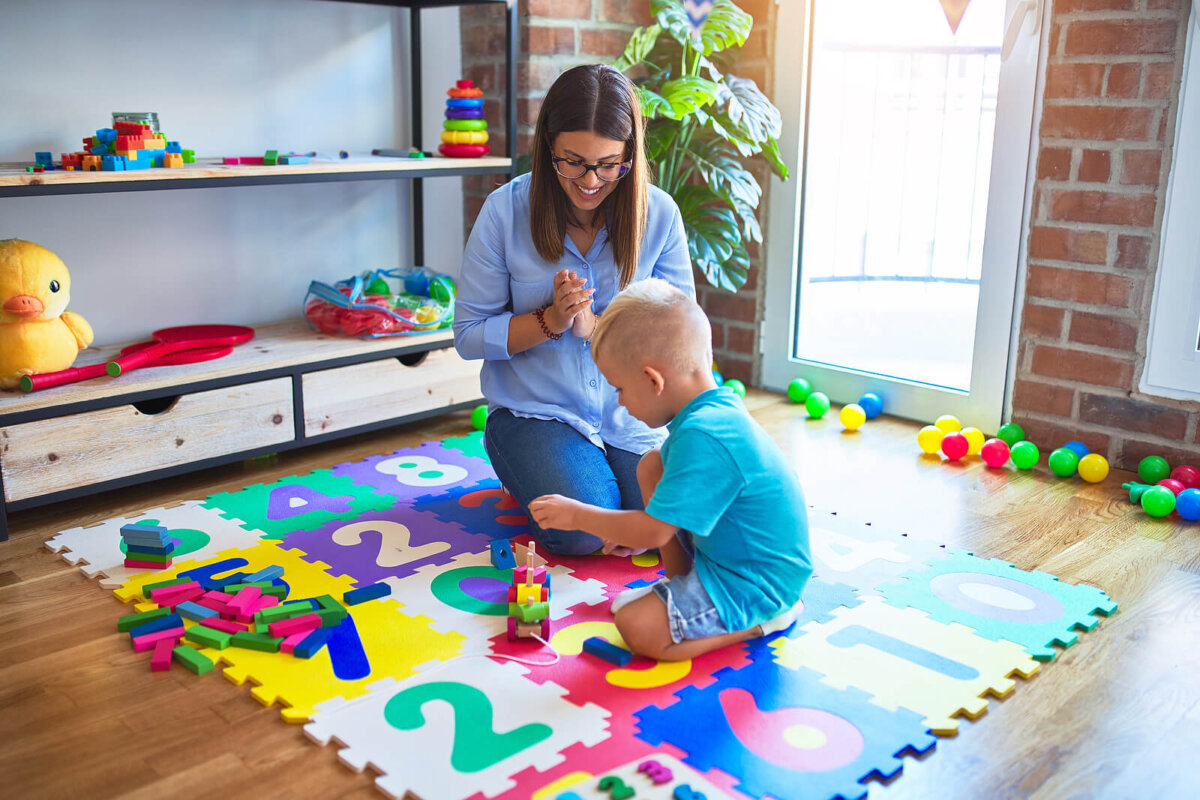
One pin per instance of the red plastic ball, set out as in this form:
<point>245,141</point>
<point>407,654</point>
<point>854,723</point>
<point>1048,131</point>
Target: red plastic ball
<point>1175,486</point>
<point>994,452</point>
<point>955,446</point>
<point>1187,475</point>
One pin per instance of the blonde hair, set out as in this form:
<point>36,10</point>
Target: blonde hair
<point>651,319</point>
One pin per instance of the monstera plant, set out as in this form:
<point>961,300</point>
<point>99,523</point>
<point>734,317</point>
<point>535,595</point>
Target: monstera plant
<point>702,121</point>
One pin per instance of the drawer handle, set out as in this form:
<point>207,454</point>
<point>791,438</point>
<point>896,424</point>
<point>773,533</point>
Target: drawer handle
<point>412,359</point>
<point>157,405</point>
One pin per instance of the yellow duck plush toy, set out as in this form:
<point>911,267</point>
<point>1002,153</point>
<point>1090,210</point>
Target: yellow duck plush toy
<point>37,333</point>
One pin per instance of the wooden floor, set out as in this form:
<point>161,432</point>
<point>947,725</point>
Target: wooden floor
<point>1117,715</point>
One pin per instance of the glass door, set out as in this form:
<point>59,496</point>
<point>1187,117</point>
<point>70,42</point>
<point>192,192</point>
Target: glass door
<point>913,122</point>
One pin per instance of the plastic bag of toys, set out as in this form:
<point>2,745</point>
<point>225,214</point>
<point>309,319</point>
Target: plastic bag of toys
<point>378,303</point>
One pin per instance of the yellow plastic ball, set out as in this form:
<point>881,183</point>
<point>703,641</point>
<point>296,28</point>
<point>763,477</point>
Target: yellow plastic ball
<point>948,423</point>
<point>1093,468</point>
<point>852,416</point>
<point>929,438</point>
<point>975,440</point>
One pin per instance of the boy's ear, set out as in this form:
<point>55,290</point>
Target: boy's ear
<point>657,381</point>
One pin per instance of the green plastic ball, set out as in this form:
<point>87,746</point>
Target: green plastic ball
<point>816,404</point>
<point>379,286</point>
<point>1158,501</point>
<point>479,417</point>
<point>1024,454</point>
<point>1153,469</point>
<point>738,387</point>
<point>1011,433</point>
<point>1063,462</point>
<point>442,288</point>
<point>799,390</point>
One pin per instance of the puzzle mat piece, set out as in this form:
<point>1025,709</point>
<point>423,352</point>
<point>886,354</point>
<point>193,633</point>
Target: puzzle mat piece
<point>615,572</point>
<point>785,733</point>
<point>904,659</point>
<point>999,601</point>
<point>483,508</point>
<point>385,544</point>
<point>298,502</point>
<point>471,445</point>
<point>97,550</point>
<point>622,690</point>
<point>669,771</point>
<point>864,556</point>
<point>411,472</point>
<point>470,596</point>
<point>818,603</point>
<point>461,727</point>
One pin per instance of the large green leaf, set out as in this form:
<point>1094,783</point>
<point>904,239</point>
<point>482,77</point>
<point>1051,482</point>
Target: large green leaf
<point>652,103</point>
<point>751,113</point>
<point>659,134</point>
<point>770,152</point>
<point>717,163</point>
<point>688,94</point>
<point>714,239</point>
<point>641,42</point>
<point>726,26</point>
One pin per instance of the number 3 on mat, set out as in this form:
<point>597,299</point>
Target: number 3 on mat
<point>476,745</point>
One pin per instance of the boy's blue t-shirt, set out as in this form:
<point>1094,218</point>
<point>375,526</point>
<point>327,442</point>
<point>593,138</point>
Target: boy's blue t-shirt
<point>727,483</point>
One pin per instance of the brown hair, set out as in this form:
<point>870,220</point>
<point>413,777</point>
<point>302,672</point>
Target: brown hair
<point>600,99</point>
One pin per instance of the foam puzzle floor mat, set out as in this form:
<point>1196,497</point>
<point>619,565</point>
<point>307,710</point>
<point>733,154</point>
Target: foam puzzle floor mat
<point>900,640</point>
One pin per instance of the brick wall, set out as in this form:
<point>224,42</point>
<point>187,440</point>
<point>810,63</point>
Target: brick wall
<point>558,34</point>
<point>1112,87</point>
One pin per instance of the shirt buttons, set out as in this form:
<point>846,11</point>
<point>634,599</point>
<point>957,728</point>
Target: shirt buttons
<point>592,383</point>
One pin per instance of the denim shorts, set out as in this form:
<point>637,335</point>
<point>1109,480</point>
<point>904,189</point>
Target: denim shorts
<point>690,611</point>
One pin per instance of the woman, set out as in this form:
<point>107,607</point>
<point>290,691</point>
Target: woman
<point>548,252</point>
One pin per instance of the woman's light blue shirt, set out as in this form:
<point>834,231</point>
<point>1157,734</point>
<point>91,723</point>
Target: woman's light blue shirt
<point>503,275</point>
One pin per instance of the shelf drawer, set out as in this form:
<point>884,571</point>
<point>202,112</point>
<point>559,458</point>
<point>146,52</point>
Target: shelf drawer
<point>94,446</point>
<point>361,394</point>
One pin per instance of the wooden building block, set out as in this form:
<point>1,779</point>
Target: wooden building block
<point>602,648</point>
<point>193,659</point>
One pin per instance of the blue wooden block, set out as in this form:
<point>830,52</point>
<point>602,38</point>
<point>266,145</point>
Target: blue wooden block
<point>502,554</point>
<point>155,625</point>
<point>356,596</point>
<point>602,648</point>
<point>311,644</point>
<point>194,612</point>
<point>134,528</point>
<point>265,574</point>
<point>157,550</point>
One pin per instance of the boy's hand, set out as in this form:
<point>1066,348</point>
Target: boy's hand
<point>555,511</point>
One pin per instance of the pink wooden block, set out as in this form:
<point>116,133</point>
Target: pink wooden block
<point>539,575</point>
<point>170,601</point>
<point>210,602</point>
<point>240,604</point>
<point>266,601</point>
<point>143,643</point>
<point>223,597</point>
<point>161,660</point>
<point>133,563</point>
<point>287,627</point>
<point>167,591</point>
<point>288,645</point>
<point>224,625</point>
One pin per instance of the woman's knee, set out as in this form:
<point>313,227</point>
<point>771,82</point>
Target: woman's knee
<point>568,543</point>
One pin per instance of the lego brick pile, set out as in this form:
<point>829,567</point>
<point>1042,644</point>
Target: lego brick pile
<point>125,146</point>
<point>901,641</point>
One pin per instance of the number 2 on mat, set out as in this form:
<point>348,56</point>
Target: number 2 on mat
<point>394,538</point>
<point>476,744</point>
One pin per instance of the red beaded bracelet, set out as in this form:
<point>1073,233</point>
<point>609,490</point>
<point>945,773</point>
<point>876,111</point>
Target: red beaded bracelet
<point>540,313</point>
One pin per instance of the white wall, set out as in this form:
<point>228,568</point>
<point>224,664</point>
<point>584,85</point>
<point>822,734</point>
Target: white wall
<point>227,77</point>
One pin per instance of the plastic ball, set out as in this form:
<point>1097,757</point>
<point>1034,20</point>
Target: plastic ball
<point>1187,504</point>
<point>718,378</point>
<point>378,286</point>
<point>1024,454</point>
<point>948,423</point>
<point>975,440</point>
<point>994,452</point>
<point>737,386</point>
<point>955,445</point>
<point>799,390</point>
<point>1175,486</point>
<point>1077,447</point>
<point>816,404</point>
<point>1153,469</point>
<point>1011,433</point>
<point>929,438</point>
<point>871,405</point>
<point>1158,501</point>
<point>442,288</point>
<point>479,417</point>
<point>1093,468</point>
<point>1063,462</point>
<point>852,416</point>
<point>1187,475</point>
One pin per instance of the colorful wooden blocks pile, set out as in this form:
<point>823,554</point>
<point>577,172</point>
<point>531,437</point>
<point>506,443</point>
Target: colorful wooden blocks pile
<point>240,610</point>
<point>529,600</point>
<point>125,146</point>
<point>147,546</point>
<point>464,133</point>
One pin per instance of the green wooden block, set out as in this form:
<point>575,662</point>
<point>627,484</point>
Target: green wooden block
<point>330,603</point>
<point>131,621</point>
<point>265,587</point>
<point>208,637</point>
<point>150,587</point>
<point>331,618</point>
<point>284,611</point>
<point>193,659</point>
<point>271,157</point>
<point>156,558</point>
<point>256,641</point>
<point>533,612</point>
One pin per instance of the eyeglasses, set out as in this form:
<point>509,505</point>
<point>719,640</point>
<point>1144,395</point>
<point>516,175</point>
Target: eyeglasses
<point>574,170</point>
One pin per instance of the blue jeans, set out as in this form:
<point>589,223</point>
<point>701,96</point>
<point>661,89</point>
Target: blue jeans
<point>533,457</point>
